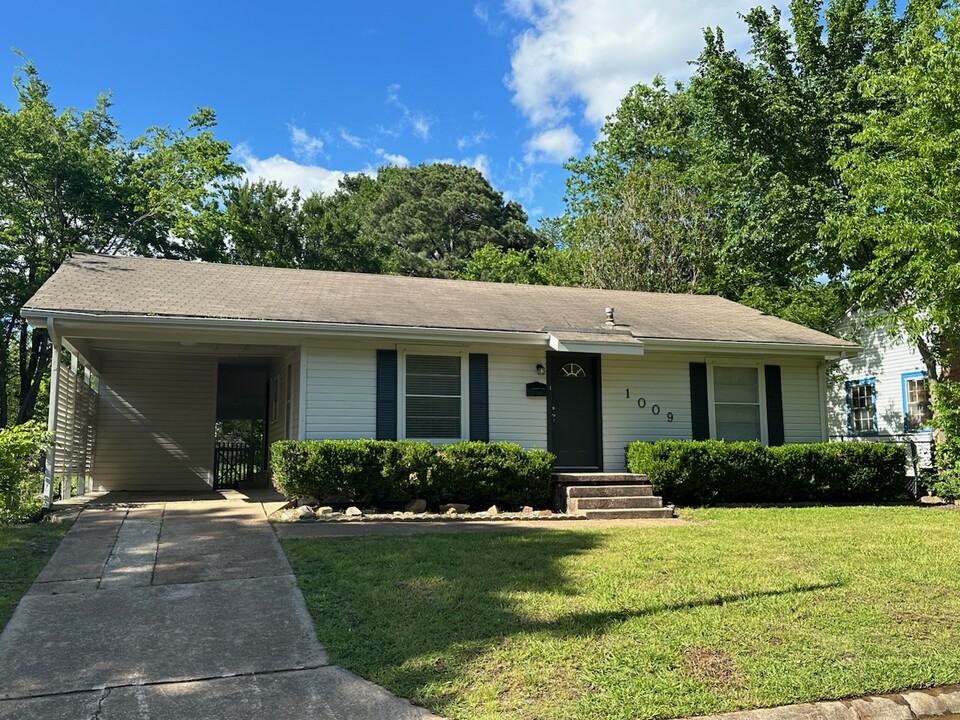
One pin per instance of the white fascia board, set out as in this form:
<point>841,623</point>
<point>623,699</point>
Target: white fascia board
<point>83,325</point>
<point>599,348</point>
<point>827,352</point>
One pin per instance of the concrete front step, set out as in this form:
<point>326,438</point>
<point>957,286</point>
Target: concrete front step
<point>604,491</point>
<point>613,503</point>
<point>629,514</point>
<point>567,479</point>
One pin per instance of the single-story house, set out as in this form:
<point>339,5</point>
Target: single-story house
<point>882,394</point>
<point>151,354</point>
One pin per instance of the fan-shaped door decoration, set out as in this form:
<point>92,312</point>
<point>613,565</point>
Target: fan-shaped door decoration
<point>572,370</point>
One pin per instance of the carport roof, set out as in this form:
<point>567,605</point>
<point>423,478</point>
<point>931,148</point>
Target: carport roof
<point>95,285</point>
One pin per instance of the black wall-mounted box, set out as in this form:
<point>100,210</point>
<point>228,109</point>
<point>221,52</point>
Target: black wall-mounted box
<point>536,389</point>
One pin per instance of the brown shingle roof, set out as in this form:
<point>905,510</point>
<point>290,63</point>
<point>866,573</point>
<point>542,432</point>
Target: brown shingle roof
<point>106,285</point>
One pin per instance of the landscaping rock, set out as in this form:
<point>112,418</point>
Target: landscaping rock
<point>417,506</point>
<point>931,500</point>
<point>324,510</point>
<point>353,511</point>
<point>304,512</point>
<point>546,513</point>
<point>493,510</point>
<point>526,509</point>
<point>455,507</point>
<point>308,500</point>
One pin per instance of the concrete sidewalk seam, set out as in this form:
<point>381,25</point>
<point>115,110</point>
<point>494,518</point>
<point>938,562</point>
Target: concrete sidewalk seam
<point>156,554</point>
<point>160,683</point>
<point>110,554</point>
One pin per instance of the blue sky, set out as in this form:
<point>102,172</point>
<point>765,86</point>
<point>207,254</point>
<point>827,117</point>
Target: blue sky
<point>307,91</point>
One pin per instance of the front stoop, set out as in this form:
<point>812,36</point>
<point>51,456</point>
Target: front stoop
<point>612,496</point>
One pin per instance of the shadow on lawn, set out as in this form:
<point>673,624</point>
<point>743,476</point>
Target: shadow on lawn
<point>415,613</point>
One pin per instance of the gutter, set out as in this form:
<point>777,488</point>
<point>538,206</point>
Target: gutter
<point>40,318</point>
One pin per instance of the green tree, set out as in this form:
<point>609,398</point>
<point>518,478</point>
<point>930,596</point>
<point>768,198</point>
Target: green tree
<point>899,231</point>
<point>750,142</point>
<point>69,182</point>
<point>437,215</point>
<point>332,230</point>
<point>263,225</point>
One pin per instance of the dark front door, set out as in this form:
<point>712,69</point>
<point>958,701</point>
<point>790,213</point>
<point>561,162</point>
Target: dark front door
<point>573,407</point>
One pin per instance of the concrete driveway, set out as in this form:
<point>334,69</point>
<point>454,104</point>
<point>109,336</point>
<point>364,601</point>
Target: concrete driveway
<point>175,609</point>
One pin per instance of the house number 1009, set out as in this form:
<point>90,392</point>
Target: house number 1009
<point>655,409</point>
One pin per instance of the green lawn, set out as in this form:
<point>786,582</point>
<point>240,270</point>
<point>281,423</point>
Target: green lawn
<point>24,550</point>
<point>744,608</point>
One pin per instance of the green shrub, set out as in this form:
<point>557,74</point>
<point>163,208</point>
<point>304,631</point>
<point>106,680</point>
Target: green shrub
<point>713,472</point>
<point>373,472</point>
<point>947,485</point>
<point>21,480</point>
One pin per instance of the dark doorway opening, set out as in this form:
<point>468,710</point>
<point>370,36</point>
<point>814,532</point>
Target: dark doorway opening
<point>240,450</point>
<point>573,407</point>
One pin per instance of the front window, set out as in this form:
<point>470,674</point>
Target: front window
<point>736,403</point>
<point>861,407</point>
<point>434,387</point>
<point>916,402</point>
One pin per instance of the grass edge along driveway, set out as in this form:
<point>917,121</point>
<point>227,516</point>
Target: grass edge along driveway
<point>24,550</point>
<point>745,608</point>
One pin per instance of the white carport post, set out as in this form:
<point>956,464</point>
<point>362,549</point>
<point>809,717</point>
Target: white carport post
<point>51,468</point>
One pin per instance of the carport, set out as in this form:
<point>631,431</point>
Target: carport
<point>153,404</point>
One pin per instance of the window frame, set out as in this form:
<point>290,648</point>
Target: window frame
<point>433,350</point>
<point>872,382</point>
<point>761,392</point>
<point>904,379</point>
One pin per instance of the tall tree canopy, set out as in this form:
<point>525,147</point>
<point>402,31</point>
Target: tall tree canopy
<point>69,182</point>
<point>899,232</point>
<point>722,185</point>
<point>426,220</point>
<point>438,215</point>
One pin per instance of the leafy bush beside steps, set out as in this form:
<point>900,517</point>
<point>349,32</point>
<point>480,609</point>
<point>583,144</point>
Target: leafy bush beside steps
<point>378,472</point>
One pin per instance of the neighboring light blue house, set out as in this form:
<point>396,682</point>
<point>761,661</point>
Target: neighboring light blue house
<point>883,393</point>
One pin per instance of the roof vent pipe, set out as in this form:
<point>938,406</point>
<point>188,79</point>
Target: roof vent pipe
<point>610,320</point>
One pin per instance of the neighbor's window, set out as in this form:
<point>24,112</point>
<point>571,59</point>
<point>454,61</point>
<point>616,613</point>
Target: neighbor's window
<point>433,397</point>
<point>861,406</point>
<point>736,403</point>
<point>916,402</point>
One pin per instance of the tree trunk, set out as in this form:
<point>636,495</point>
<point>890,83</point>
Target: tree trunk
<point>33,368</point>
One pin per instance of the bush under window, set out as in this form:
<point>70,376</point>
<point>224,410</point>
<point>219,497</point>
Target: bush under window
<point>711,472</point>
<point>389,472</point>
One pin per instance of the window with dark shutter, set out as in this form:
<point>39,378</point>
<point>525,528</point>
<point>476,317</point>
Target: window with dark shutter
<point>433,397</point>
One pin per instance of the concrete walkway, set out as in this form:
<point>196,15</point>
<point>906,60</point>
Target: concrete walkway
<point>175,609</point>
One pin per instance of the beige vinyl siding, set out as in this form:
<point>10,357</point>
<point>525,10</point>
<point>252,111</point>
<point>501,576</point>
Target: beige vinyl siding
<point>341,401</point>
<point>155,423</point>
<point>514,417</point>
<point>802,403</point>
<point>661,380</point>
<point>280,402</point>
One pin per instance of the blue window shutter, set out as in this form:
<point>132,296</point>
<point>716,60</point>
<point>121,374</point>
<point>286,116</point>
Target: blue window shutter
<point>386,394</point>
<point>774,391</point>
<point>699,402</point>
<point>479,397</point>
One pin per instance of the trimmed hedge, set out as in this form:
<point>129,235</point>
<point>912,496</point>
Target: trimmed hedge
<point>711,472</point>
<point>377,472</point>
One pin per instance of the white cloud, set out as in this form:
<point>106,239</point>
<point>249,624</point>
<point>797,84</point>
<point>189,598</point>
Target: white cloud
<point>398,160</point>
<point>555,145</point>
<point>580,58</point>
<point>351,140</point>
<point>419,123</point>
<point>477,138</point>
<point>305,146</point>
<point>309,178</point>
